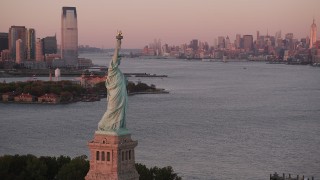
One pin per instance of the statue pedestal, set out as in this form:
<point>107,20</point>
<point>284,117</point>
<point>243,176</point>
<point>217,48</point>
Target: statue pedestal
<point>112,157</point>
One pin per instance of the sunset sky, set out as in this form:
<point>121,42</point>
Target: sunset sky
<point>173,21</point>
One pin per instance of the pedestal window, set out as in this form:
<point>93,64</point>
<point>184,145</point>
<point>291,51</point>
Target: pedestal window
<point>103,157</point>
<point>97,155</point>
<point>108,156</point>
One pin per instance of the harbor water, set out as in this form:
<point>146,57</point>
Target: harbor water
<point>235,120</point>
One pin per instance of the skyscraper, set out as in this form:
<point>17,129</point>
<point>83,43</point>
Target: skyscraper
<point>227,43</point>
<point>238,41</point>
<point>194,44</point>
<point>248,42</point>
<point>31,44</point>
<point>50,45</point>
<point>221,42</point>
<point>39,51</point>
<point>3,41</point>
<point>69,35</point>
<point>19,51</point>
<point>313,34</point>
<point>15,33</point>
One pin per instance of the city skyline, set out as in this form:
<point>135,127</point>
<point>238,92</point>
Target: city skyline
<point>174,22</point>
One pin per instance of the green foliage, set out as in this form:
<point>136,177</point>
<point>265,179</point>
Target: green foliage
<point>275,176</point>
<point>144,172</point>
<point>76,169</point>
<point>35,169</point>
<point>62,160</point>
<point>155,173</point>
<point>66,96</point>
<point>67,90</point>
<point>39,88</point>
<point>140,87</point>
<point>22,167</point>
<point>37,91</point>
<point>27,89</point>
<point>56,89</point>
<point>50,168</point>
<point>131,87</point>
<point>64,168</point>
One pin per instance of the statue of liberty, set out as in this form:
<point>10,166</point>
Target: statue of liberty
<point>114,119</point>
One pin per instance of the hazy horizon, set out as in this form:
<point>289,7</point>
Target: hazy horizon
<point>174,22</point>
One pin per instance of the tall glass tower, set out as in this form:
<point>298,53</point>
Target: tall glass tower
<point>313,34</point>
<point>69,35</point>
<point>15,33</point>
<point>31,44</point>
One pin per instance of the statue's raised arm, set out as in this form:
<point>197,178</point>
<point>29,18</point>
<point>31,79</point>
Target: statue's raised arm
<point>114,119</point>
<point>117,48</point>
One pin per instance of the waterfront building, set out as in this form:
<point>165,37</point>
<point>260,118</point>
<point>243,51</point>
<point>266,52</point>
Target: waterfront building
<point>157,47</point>
<point>227,43</point>
<point>221,42</point>
<point>5,54</point>
<point>31,44</point>
<point>84,63</point>
<point>50,45</point>
<point>215,43</point>
<point>69,36</point>
<point>148,51</point>
<point>57,63</point>
<point>307,41</point>
<point>35,64</point>
<point>49,98</point>
<point>15,33</point>
<point>9,96</point>
<point>316,51</point>
<point>278,39</point>
<point>50,57</point>
<point>39,51</point>
<point>24,98</point>
<point>91,81</point>
<point>19,51</point>
<point>289,36</point>
<point>194,44</point>
<point>289,41</point>
<point>4,41</point>
<point>278,34</point>
<point>313,34</point>
<point>238,41</point>
<point>303,42</point>
<point>260,43</point>
<point>57,74</point>
<point>247,42</point>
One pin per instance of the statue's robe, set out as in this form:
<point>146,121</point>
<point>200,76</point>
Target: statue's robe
<point>115,116</point>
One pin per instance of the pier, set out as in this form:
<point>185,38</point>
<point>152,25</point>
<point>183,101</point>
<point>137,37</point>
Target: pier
<point>275,176</point>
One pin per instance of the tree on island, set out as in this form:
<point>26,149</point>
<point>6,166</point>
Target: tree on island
<point>140,87</point>
<point>67,90</point>
<point>165,173</point>
<point>65,168</point>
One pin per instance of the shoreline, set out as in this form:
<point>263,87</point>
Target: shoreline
<point>64,73</point>
<point>157,91</point>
